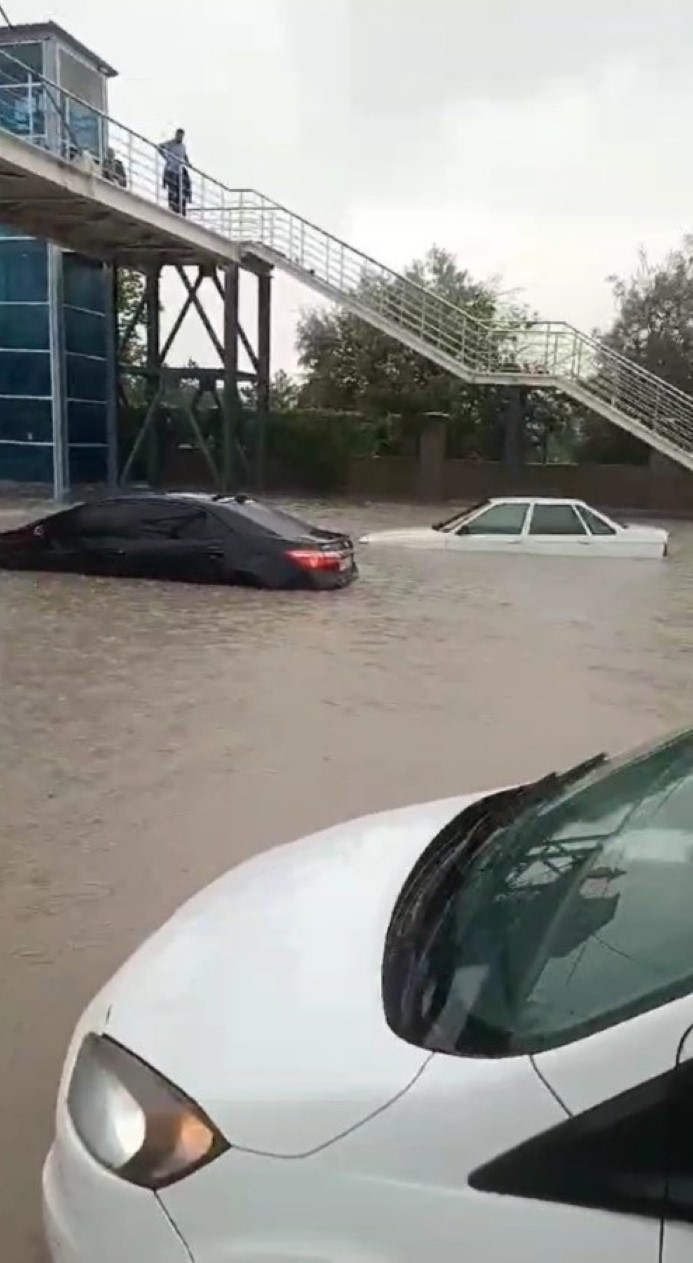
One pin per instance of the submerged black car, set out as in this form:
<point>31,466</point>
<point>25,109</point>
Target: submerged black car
<point>184,537</point>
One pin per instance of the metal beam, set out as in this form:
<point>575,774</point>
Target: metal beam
<point>177,324</point>
<point>154,361</point>
<point>113,348</point>
<point>61,444</point>
<point>192,295</point>
<point>230,408</point>
<point>252,356</point>
<point>264,339</point>
<point>185,374</point>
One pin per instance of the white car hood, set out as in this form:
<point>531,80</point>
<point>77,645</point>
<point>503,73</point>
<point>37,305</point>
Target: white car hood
<point>404,535</point>
<point>263,993</point>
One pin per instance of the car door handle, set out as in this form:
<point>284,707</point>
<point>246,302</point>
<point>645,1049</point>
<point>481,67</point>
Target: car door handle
<point>216,554</point>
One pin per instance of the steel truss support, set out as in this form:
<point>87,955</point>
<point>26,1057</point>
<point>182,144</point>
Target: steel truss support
<point>185,392</point>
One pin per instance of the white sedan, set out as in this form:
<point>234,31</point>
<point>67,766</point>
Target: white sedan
<point>531,525</point>
<point>457,1030</point>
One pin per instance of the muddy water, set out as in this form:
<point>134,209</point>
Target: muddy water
<point>151,736</point>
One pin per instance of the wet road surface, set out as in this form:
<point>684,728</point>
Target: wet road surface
<point>151,736</point>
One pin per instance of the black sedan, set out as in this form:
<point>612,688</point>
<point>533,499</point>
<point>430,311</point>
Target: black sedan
<point>185,537</point>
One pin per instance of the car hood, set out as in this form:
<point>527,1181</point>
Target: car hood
<point>404,535</point>
<point>261,997</point>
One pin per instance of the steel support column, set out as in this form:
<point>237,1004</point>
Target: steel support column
<point>60,436</point>
<point>205,398</point>
<point>264,336</point>
<point>513,437</point>
<point>153,388</point>
<point>112,358</point>
<point>230,400</point>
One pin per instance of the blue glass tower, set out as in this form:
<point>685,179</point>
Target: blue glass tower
<point>57,341</point>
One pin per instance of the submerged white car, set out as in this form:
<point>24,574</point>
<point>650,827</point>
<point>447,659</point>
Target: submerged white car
<point>458,1030</point>
<point>531,525</point>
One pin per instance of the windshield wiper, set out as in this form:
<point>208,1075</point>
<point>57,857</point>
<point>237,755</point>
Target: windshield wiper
<point>463,837</point>
<point>550,784</point>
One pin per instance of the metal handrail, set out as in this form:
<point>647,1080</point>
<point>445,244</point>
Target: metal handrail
<point>535,352</point>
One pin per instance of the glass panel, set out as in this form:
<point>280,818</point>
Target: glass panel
<point>85,332</point>
<point>25,373</point>
<point>555,519</point>
<point>85,378</point>
<point>573,918</point>
<point>26,464</point>
<point>204,526</point>
<point>453,523</point>
<point>500,519</point>
<point>30,420</point>
<point>596,524</point>
<point>23,110</point>
<point>84,129</point>
<point>84,283</point>
<point>274,521</point>
<point>23,271</point>
<point>86,422</point>
<point>24,326</point>
<point>88,465</point>
<point>81,80</point>
<point>128,520</point>
<point>17,60</point>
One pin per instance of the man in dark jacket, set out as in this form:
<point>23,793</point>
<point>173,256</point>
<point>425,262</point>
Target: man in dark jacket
<point>176,179</point>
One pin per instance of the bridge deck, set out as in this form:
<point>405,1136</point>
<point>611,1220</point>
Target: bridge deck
<point>72,205</point>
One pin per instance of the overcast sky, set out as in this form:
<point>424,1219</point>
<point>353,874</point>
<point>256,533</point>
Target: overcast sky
<point>542,142</point>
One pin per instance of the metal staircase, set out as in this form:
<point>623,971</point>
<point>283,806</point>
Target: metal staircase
<point>538,353</point>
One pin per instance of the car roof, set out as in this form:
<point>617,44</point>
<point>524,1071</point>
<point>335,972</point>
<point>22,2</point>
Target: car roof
<point>534,500</point>
<point>164,497</point>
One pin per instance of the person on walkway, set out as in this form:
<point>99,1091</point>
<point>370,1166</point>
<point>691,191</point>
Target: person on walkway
<point>114,171</point>
<point>176,179</point>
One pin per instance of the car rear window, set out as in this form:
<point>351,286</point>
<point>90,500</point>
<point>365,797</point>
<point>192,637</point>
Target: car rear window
<point>273,521</point>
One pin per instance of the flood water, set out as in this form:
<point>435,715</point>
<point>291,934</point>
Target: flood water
<point>151,736</point>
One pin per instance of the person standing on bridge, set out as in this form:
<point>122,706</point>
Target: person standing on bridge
<point>176,175</point>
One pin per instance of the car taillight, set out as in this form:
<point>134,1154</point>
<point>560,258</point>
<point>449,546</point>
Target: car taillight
<point>314,559</point>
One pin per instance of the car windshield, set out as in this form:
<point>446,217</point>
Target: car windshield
<point>451,523</point>
<point>572,916</point>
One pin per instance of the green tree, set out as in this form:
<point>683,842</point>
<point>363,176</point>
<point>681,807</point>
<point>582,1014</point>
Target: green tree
<point>653,327</point>
<point>284,392</point>
<point>350,366</point>
<point>131,315</point>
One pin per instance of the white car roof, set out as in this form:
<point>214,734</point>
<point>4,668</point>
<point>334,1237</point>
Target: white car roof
<point>534,500</point>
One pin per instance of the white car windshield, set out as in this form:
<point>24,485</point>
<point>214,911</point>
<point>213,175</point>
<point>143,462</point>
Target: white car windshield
<point>453,523</point>
<point>570,918</point>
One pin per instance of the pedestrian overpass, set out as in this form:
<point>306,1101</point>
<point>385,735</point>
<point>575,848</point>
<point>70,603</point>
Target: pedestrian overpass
<point>50,189</point>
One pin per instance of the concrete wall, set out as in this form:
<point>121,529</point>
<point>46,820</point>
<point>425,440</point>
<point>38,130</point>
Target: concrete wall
<point>612,486</point>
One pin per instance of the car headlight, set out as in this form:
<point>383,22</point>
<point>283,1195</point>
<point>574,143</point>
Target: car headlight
<point>133,1121</point>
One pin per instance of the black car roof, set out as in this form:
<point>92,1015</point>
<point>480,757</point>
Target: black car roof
<point>163,497</point>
